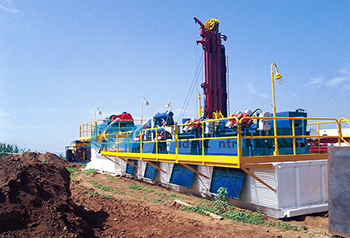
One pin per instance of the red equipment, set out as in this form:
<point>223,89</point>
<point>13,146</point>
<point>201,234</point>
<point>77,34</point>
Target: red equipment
<point>245,122</point>
<point>214,87</point>
<point>123,117</point>
<point>192,124</point>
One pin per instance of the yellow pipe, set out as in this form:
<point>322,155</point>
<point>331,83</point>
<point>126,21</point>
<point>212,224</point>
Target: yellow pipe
<point>199,106</point>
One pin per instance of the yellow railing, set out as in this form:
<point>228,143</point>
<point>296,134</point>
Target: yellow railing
<point>236,161</point>
<point>339,128</point>
<point>86,130</point>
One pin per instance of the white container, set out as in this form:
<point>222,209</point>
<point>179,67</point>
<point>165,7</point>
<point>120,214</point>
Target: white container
<point>301,188</point>
<point>102,164</point>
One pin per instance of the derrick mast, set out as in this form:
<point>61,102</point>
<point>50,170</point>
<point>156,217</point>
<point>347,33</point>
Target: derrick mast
<point>214,87</point>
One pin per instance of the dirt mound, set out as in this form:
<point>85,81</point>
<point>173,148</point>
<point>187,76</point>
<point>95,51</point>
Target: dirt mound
<point>35,198</point>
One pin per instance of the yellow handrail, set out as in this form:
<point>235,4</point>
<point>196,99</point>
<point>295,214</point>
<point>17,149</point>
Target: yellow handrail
<point>203,158</point>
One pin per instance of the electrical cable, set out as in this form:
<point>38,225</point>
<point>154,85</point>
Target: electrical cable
<point>190,91</point>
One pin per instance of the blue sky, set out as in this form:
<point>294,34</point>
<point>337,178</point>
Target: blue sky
<point>61,59</point>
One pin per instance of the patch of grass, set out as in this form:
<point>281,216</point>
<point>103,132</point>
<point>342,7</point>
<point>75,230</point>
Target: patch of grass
<point>183,208</point>
<point>160,194</point>
<point>135,186</point>
<point>119,192</point>
<point>270,223</point>
<point>303,228</point>
<point>91,172</point>
<point>74,172</point>
<point>175,195</point>
<point>195,208</point>
<point>140,188</point>
<point>245,217</point>
<point>101,186</point>
<point>285,226</point>
<point>105,196</point>
<point>93,182</point>
<point>93,192</point>
<point>71,170</point>
<point>106,188</point>
<point>111,177</point>
<point>152,200</point>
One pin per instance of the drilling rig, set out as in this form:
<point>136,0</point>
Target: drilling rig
<point>214,87</point>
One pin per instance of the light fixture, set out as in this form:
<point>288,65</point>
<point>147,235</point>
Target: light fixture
<point>168,105</point>
<point>278,80</point>
<point>146,103</point>
<point>99,113</point>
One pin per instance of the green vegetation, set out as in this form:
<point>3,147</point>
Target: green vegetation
<point>91,172</point>
<point>105,196</point>
<point>175,195</point>
<point>71,170</point>
<point>110,177</point>
<point>119,192</point>
<point>160,194</point>
<point>93,182</point>
<point>270,223</point>
<point>7,149</point>
<point>303,228</point>
<point>93,192</point>
<point>105,188</point>
<point>245,217</point>
<point>220,207</point>
<point>74,172</point>
<point>222,199</point>
<point>143,189</point>
<point>285,226</point>
<point>152,200</point>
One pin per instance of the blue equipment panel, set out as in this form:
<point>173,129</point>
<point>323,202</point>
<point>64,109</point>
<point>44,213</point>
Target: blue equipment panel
<point>182,176</point>
<point>186,148</point>
<point>285,127</point>
<point>129,168</point>
<point>222,147</point>
<point>231,179</point>
<point>150,171</point>
<point>149,148</point>
<point>132,147</point>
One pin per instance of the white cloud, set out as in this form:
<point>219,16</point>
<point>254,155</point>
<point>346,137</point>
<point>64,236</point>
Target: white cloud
<point>8,9</point>
<point>316,81</point>
<point>254,91</point>
<point>344,70</point>
<point>4,5</point>
<point>337,81</point>
<point>344,76</point>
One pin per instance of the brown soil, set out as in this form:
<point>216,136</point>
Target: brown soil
<point>35,198</point>
<point>36,201</point>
